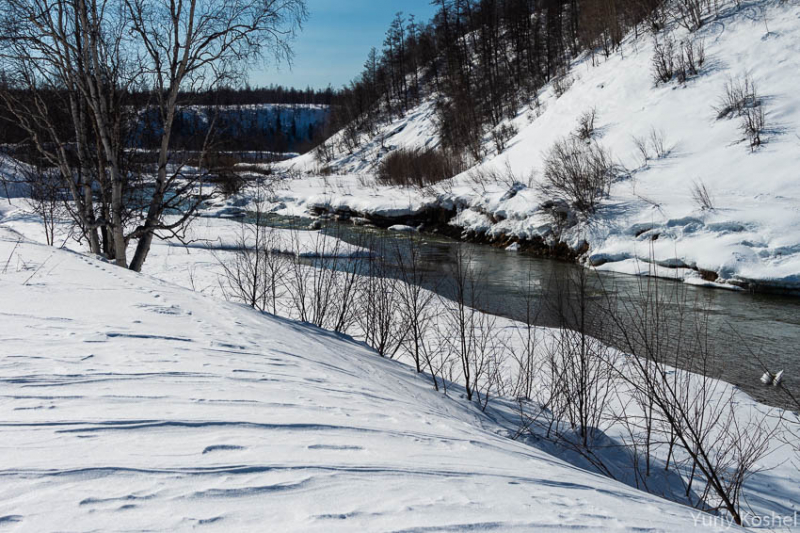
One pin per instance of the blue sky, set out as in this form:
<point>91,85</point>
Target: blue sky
<point>336,40</point>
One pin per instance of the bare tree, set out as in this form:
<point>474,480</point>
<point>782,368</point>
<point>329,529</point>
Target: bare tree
<point>255,272</point>
<point>470,335</point>
<point>91,54</point>
<point>689,13</point>
<point>415,300</point>
<point>696,414</point>
<point>378,317</point>
<point>199,44</point>
<point>578,172</point>
<point>44,60</point>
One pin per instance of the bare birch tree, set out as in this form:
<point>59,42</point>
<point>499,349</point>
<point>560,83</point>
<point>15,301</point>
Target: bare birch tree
<point>91,54</point>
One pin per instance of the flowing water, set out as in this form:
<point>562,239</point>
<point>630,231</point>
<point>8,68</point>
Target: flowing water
<point>746,332</point>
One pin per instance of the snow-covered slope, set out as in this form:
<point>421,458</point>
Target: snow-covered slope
<point>417,129</point>
<point>127,403</point>
<point>751,236</point>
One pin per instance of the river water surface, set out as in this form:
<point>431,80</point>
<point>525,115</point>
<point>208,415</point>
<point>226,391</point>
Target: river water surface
<point>746,332</point>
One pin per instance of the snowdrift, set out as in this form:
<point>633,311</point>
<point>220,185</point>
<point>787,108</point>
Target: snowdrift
<point>132,404</point>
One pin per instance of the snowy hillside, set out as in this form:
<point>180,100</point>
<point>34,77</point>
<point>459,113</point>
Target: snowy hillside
<point>129,404</point>
<point>749,232</point>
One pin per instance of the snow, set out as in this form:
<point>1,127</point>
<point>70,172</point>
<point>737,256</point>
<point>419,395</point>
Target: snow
<point>220,234</point>
<point>400,228</point>
<point>148,403</point>
<point>751,235</point>
<point>130,403</point>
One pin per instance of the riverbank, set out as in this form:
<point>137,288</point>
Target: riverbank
<point>698,251</point>
<point>738,322</point>
<point>688,194</point>
<point>236,340</point>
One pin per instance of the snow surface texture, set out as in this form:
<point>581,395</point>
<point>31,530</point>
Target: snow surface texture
<point>751,235</point>
<point>128,403</point>
<point>221,234</point>
<point>94,356</point>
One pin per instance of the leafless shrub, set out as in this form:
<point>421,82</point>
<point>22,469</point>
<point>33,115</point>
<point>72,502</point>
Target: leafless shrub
<point>586,122</point>
<point>577,172</point>
<point>562,83</point>
<point>229,183</point>
<point>471,337</point>
<point>347,286</point>
<point>523,344</point>
<point>47,198</point>
<point>416,304</point>
<point>311,291</point>
<point>752,125</point>
<point>701,196</point>
<point>658,143</point>
<point>641,144</point>
<point>741,99</point>
<point>379,299</point>
<point>694,53</point>
<point>482,176</point>
<point>324,152</point>
<point>681,62</point>
<point>712,444</point>
<point>488,358</point>
<point>502,134</point>
<point>255,274</point>
<point>663,63</point>
<point>582,379</point>
<point>350,138</point>
<point>690,58</point>
<point>740,94</point>
<point>419,168</point>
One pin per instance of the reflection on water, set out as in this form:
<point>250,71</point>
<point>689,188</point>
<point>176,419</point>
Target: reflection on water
<point>738,324</point>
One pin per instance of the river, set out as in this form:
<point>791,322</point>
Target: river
<point>738,324</point>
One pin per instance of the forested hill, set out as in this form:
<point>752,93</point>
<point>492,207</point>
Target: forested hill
<point>664,136</point>
<point>483,59</point>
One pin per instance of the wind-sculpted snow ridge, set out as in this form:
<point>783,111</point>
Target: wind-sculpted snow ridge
<point>127,403</point>
<point>748,234</point>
